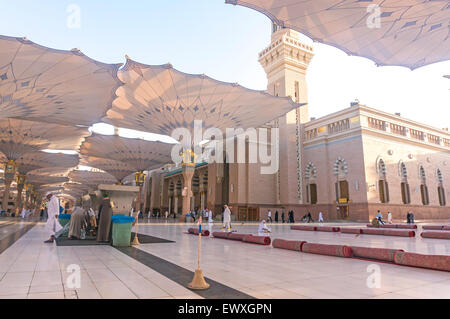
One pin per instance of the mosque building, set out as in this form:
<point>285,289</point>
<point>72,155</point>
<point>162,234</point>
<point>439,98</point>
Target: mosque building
<point>347,165</point>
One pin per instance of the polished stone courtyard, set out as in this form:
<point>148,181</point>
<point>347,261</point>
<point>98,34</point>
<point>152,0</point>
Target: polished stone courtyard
<point>31,269</point>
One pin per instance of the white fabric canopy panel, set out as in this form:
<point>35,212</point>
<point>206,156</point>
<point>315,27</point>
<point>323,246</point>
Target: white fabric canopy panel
<point>410,33</point>
<point>18,137</point>
<point>159,99</point>
<point>55,86</point>
<point>139,154</point>
<point>44,179</point>
<point>91,178</point>
<point>36,160</point>
<point>118,169</point>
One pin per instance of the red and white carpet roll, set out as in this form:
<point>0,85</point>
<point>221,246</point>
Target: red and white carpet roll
<point>437,262</point>
<point>288,244</point>
<point>328,229</point>
<point>261,240</point>
<point>388,232</point>
<point>351,230</point>
<point>330,250</point>
<point>398,232</point>
<point>221,234</point>
<point>446,228</point>
<point>304,227</point>
<point>236,236</point>
<point>433,227</point>
<point>194,231</point>
<point>436,234</point>
<point>401,226</point>
<point>382,226</point>
<point>375,253</point>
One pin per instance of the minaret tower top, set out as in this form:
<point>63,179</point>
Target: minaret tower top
<point>286,61</point>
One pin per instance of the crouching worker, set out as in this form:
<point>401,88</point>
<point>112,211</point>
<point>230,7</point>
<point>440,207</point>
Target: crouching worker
<point>78,221</point>
<point>263,228</point>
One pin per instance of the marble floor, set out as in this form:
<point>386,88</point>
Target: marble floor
<point>31,269</point>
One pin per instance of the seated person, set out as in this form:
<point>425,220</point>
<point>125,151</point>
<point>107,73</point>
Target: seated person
<point>380,218</point>
<point>78,220</point>
<point>375,222</point>
<point>263,228</point>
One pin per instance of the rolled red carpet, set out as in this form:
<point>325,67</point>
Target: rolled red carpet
<point>194,231</point>
<point>330,250</point>
<point>433,227</point>
<point>400,233</point>
<point>288,244</point>
<point>307,228</point>
<point>261,240</point>
<point>446,228</point>
<point>372,231</point>
<point>220,234</point>
<point>436,234</point>
<point>351,230</point>
<point>236,236</point>
<point>382,226</point>
<point>328,229</point>
<point>406,226</point>
<point>375,253</point>
<point>437,262</point>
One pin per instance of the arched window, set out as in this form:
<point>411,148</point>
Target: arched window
<point>340,170</point>
<point>441,191</point>
<point>383,187</point>
<point>406,195</point>
<point>423,186</point>
<point>311,186</point>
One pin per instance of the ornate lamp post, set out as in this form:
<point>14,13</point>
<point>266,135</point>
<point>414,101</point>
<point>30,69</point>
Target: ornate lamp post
<point>21,178</point>
<point>139,179</point>
<point>10,172</point>
<point>188,168</point>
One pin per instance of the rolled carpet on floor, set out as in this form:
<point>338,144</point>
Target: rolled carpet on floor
<point>328,229</point>
<point>433,227</point>
<point>375,253</point>
<point>221,234</point>
<point>330,250</point>
<point>236,236</point>
<point>400,226</point>
<point>288,244</point>
<point>351,230</point>
<point>194,231</point>
<point>261,240</point>
<point>437,262</point>
<point>388,232</point>
<point>306,228</point>
<point>436,234</point>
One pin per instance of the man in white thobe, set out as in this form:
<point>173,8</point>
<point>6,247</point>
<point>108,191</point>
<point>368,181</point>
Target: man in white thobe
<point>226,218</point>
<point>263,228</point>
<point>320,217</point>
<point>210,216</point>
<point>52,226</point>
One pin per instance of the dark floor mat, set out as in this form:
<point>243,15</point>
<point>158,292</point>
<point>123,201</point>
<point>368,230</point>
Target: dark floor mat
<point>143,239</point>
<point>147,239</point>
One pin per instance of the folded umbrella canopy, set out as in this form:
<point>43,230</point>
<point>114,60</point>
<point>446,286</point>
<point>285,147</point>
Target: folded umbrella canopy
<point>118,169</point>
<point>410,33</point>
<point>54,86</point>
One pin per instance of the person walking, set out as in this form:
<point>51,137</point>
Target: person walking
<point>52,225</point>
<point>389,217</point>
<point>276,216</point>
<point>282,217</point>
<point>227,218</point>
<point>320,217</point>
<point>269,216</point>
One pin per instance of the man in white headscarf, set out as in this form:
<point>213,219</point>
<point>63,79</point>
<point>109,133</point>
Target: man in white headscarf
<point>263,228</point>
<point>52,226</point>
<point>227,218</point>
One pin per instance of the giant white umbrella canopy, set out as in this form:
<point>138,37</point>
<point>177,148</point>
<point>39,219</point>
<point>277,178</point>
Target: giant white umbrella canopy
<point>36,160</point>
<point>138,154</point>
<point>55,86</point>
<point>91,178</point>
<point>159,99</point>
<point>18,137</point>
<point>411,33</point>
<point>118,169</point>
<point>39,180</point>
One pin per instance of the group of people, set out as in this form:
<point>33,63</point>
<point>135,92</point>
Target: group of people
<point>378,220</point>
<point>283,218</point>
<point>82,219</point>
<point>206,214</point>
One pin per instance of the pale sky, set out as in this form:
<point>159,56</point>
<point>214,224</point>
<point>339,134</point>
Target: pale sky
<point>223,41</point>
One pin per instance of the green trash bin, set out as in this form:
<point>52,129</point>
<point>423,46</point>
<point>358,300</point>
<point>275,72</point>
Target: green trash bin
<point>121,232</point>
<point>64,219</point>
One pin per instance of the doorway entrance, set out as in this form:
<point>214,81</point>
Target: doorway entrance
<point>342,211</point>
